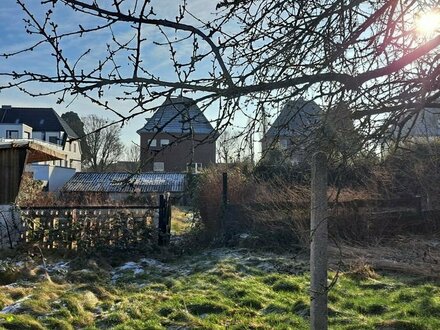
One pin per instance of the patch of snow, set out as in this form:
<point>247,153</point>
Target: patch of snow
<point>128,266</point>
<point>15,307</point>
<point>61,267</point>
<point>244,236</point>
<point>153,263</point>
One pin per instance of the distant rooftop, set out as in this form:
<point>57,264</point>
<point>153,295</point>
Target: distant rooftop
<point>40,119</point>
<point>152,182</point>
<point>296,118</point>
<point>178,115</point>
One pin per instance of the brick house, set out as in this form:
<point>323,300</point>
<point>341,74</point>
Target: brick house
<point>177,137</point>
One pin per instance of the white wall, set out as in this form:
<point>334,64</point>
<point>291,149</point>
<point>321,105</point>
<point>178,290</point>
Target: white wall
<point>73,151</point>
<point>59,176</point>
<point>21,128</point>
<point>56,176</point>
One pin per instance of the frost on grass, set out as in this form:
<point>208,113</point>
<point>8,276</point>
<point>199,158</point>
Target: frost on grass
<point>216,288</point>
<point>16,307</point>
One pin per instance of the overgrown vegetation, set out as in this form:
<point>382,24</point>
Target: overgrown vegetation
<point>219,288</point>
<point>274,197</point>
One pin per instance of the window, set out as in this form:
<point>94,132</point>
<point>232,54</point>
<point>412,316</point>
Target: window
<point>12,134</point>
<point>164,142</point>
<point>70,146</point>
<point>53,139</point>
<point>158,166</point>
<point>194,167</point>
<point>74,146</point>
<point>152,142</point>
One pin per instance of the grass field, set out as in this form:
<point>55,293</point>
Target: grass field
<point>215,289</point>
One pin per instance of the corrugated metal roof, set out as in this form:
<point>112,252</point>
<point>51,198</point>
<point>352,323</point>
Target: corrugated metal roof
<point>125,182</point>
<point>298,117</point>
<point>178,115</point>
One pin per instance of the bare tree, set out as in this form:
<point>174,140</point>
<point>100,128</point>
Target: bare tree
<point>104,146</point>
<point>227,147</point>
<point>133,153</point>
<point>246,58</point>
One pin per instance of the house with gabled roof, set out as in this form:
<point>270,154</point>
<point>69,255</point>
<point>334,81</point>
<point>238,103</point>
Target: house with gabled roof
<point>425,126</point>
<point>45,125</point>
<point>177,138</point>
<point>293,131</point>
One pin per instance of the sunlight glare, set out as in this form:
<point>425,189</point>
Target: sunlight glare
<point>428,23</point>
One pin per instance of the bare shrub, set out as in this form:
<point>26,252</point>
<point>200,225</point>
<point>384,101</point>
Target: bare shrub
<point>280,212</point>
<point>209,195</point>
<point>360,269</point>
<point>31,193</point>
<point>414,168</point>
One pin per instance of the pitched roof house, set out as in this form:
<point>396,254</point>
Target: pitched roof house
<point>178,135</point>
<point>43,124</point>
<point>293,129</point>
<point>424,126</point>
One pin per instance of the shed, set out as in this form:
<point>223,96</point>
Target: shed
<point>119,185</point>
<point>14,154</point>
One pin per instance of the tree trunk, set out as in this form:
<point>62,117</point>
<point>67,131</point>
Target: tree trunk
<point>318,244</point>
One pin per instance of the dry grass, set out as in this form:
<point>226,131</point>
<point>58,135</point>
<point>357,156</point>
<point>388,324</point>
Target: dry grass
<point>411,255</point>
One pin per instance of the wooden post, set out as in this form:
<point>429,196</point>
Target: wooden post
<point>318,244</point>
<point>225,189</point>
<point>224,204</point>
<point>168,228</point>
<point>162,220</point>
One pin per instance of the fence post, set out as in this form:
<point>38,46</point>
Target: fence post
<point>225,189</point>
<point>168,219</point>
<point>224,204</point>
<point>318,243</point>
<point>162,220</point>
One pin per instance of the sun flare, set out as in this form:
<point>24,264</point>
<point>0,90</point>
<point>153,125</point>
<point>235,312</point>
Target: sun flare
<point>428,23</point>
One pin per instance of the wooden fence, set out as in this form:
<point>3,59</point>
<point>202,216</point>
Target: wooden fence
<point>87,228</point>
<point>357,220</point>
<point>357,205</point>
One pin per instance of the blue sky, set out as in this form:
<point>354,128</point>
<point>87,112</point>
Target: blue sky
<point>14,37</point>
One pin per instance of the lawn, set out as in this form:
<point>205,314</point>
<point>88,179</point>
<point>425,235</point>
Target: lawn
<point>214,289</point>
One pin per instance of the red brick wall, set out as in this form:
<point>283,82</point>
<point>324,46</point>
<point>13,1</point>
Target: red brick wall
<point>177,155</point>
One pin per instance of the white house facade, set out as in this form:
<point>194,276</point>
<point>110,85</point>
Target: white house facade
<point>43,124</point>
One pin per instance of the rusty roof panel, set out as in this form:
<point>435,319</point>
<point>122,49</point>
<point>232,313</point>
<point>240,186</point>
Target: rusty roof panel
<point>152,182</point>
